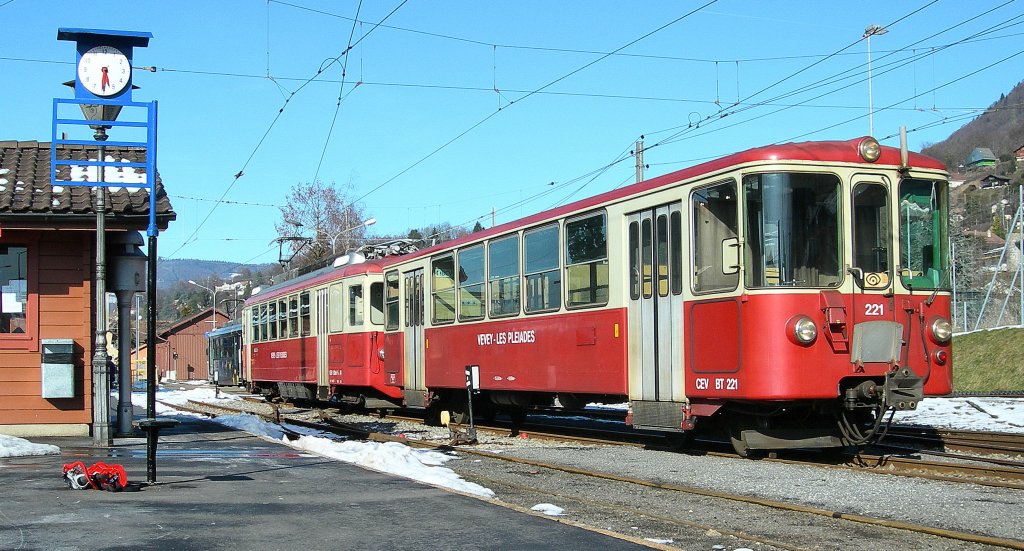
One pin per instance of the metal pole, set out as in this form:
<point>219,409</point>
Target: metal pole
<point>100,375</point>
<point>640,160</point>
<point>124,391</point>
<point>871,120</point>
<point>151,435</point>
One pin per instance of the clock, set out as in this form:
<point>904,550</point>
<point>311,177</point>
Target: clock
<point>104,71</point>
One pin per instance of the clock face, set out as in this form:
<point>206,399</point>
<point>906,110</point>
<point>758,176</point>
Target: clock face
<point>104,71</point>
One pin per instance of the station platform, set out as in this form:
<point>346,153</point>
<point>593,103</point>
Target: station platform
<point>218,488</point>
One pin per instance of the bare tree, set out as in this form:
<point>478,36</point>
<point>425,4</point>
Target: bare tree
<point>322,219</point>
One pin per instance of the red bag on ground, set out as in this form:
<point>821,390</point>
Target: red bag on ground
<point>100,476</point>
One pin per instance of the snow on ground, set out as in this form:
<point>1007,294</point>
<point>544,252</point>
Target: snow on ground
<point>12,446</point>
<point>548,509</point>
<point>981,414</point>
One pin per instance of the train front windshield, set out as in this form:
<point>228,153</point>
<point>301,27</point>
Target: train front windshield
<point>923,216</point>
<point>793,232</point>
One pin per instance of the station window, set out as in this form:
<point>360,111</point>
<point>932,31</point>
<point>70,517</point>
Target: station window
<point>543,277</point>
<point>586,260</point>
<point>304,312</point>
<point>14,284</point>
<point>713,214</point>
<point>503,275</point>
<point>391,305</point>
<point>443,289</point>
<point>355,305</point>
<point>471,283</point>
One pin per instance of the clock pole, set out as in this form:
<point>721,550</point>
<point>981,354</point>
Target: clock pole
<point>103,85</point>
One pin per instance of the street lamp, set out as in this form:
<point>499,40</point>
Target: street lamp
<point>872,30</point>
<point>213,292</point>
<point>334,240</point>
<point>101,374</point>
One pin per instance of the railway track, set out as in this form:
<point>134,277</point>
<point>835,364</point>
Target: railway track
<point>327,424</point>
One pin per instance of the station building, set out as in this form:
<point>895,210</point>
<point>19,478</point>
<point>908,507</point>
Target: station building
<point>47,274</point>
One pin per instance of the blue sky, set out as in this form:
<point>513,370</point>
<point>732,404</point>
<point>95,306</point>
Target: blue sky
<point>421,135</point>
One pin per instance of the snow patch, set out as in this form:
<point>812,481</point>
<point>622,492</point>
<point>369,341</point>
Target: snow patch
<point>12,446</point>
<point>548,509</point>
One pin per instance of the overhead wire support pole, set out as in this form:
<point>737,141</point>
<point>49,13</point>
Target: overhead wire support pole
<point>640,160</point>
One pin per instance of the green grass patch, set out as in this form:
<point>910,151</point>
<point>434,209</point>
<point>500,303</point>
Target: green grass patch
<point>989,360</point>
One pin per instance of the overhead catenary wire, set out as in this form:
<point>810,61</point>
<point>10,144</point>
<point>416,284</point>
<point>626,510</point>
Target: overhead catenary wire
<point>263,138</point>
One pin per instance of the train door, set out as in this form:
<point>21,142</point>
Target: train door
<point>656,303</point>
<point>414,343</point>
<point>872,253</point>
<point>714,321</point>
<point>877,333</point>
<point>320,333</point>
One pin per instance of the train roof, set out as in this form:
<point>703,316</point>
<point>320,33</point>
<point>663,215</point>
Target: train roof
<point>323,275</point>
<point>844,152</point>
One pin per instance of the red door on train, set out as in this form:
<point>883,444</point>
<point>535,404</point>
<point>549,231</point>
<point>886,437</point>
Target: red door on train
<point>714,320</point>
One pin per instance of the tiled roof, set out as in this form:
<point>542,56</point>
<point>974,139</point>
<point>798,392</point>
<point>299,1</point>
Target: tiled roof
<point>26,190</point>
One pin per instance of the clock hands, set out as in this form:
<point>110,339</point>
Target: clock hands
<point>105,81</point>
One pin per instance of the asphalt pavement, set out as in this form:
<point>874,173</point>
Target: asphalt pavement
<point>218,488</point>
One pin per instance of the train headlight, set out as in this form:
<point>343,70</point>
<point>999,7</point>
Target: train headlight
<point>941,330</point>
<point>380,353</point>
<point>801,330</point>
<point>869,149</point>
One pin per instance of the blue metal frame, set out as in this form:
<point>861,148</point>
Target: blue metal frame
<point>150,147</point>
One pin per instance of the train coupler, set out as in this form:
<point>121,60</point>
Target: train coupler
<point>902,390</point>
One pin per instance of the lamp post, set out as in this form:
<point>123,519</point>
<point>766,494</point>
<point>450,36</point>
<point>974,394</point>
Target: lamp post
<point>334,240</point>
<point>872,30</point>
<point>100,371</point>
<point>214,293</point>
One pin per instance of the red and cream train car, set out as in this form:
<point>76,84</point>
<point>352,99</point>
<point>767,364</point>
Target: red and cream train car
<point>318,337</point>
<point>793,293</point>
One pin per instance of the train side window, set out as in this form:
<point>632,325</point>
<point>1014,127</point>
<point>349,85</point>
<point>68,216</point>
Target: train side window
<point>355,305</point>
<point>714,219</point>
<point>272,320</point>
<point>543,277</point>
<point>471,283</point>
<point>646,259</point>
<point>254,326</point>
<point>503,275</point>
<point>377,303</point>
<point>282,319</point>
<point>335,312</point>
<point>662,242</point>
<point>442,289</point>
<point>586,260</point>
<point>676,253</point>
<point>264,334</point>
<point>304,312</point>
<point>634,260</point>
<point>391,306</point>
<point>293,316</point>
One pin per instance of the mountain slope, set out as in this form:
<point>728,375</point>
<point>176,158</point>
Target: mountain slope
<point>1000,128</point>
